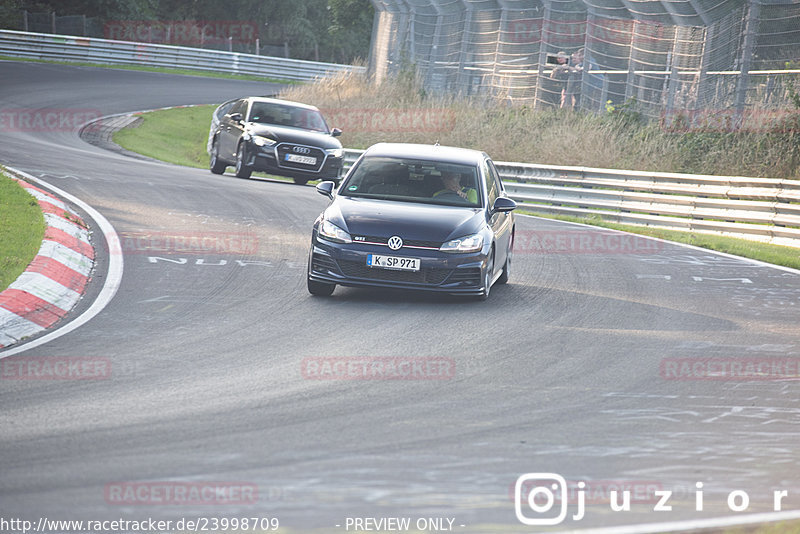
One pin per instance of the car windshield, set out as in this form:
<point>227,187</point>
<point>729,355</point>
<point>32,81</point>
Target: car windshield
<point>409,180</point>
<point>283,115</point>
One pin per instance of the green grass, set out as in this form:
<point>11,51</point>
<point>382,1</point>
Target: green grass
<point>163,70</point>
<point>775,254</point>
<point>21,230</point>
<point>176,135</point>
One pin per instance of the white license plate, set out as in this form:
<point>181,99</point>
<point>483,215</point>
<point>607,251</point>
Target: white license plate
<point>305,160</point>
<point>393,262</point>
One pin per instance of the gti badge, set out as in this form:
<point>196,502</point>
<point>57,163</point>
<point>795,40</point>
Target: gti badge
<point>395,243</point>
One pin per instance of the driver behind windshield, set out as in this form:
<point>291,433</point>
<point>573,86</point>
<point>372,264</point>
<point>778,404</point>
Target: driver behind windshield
<point>452,185</point>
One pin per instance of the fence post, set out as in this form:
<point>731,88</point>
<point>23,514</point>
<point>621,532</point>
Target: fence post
<point>25,20</point>
<point>462,78</point>
<point>543,43</point>
<point>631,72</point>
<point>53,22</point>
<point>751,26</point>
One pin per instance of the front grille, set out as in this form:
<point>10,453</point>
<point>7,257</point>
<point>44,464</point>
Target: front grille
<point>286,148</point>
<point>406,243</point>
<point>357,269</point>
<point>471,276</point>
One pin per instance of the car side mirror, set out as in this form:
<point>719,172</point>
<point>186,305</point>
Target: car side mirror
<point>235,117</point>
<point>336,132</point>
<point>326,188</point>
<point>503,204</point>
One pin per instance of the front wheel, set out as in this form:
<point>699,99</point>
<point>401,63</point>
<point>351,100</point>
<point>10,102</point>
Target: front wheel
<point>242,170</point>
<point>300,181</point>
<point>320,289</point>
<point>217,165</point>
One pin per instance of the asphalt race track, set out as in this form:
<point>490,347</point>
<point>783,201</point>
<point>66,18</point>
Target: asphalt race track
<point>566,370</point>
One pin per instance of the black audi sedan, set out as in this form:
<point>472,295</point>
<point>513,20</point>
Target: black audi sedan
<point>278,137</point>
<point>414,217</point>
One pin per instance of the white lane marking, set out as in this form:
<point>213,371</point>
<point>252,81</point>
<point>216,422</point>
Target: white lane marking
<point>702,278</point>
<point>113,276</point>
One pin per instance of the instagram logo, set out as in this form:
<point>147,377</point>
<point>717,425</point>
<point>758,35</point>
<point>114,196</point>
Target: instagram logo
<point>544,489</point>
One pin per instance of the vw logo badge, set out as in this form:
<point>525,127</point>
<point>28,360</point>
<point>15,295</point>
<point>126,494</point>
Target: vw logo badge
<point>395,243</point>
<point>301,150</point>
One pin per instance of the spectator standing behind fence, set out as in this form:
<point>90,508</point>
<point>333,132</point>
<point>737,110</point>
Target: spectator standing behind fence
<point>572,95</point>
<point>559,76</point>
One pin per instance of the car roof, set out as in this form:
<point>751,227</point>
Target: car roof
<point>447,154</point>
<point>282,102</point>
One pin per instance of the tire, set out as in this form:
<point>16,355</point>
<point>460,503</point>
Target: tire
<point>300,181</point>
<point>242,170</point>
<point>507,267</point>
<point>320,289</point>
<point>216,164</point>
<point>487,279</point>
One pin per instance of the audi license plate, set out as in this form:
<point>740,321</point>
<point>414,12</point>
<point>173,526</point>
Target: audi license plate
<point>305,160</point>
<point>393,262</point>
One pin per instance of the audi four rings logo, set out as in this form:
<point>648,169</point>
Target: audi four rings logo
<point>395,243</point>
<point>301,150</point>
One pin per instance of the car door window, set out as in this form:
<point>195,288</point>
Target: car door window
<point>496,176</point>
<point>490,179</point>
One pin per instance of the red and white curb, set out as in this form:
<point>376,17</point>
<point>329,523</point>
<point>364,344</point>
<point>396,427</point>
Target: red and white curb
<point>56,278</point>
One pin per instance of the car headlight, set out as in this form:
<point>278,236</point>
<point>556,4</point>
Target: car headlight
<point>335,152</point>
<point>260,140</point>
<point>331,232</point>
<point>471,243</point>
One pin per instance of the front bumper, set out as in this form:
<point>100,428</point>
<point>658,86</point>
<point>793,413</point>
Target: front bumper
<point>346,264</point>
<point>266,159</point>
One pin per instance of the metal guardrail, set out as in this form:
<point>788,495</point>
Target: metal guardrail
<point>762,209</point>
<point>106,51</point>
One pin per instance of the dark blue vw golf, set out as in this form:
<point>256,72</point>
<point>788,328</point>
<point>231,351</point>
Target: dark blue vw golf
<point>417,217</point>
